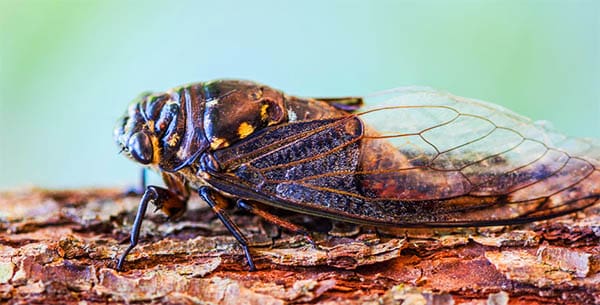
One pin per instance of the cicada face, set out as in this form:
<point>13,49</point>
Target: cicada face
<point>148,124</point>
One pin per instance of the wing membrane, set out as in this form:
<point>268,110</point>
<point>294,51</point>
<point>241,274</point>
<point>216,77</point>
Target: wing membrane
<point>497,150</point>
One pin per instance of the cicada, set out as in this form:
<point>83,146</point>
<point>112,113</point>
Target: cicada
<point>413,157</point>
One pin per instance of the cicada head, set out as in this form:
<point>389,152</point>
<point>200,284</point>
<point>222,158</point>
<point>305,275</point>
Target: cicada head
<point>170,130</point>
<point>236,109</point>
<point>148,121</point>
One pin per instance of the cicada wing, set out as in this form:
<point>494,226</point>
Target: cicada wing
<point>418,158</point>
<point>419,109</point>
<point>444,146</point>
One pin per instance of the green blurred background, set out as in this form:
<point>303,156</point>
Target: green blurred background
<point>69,68</point>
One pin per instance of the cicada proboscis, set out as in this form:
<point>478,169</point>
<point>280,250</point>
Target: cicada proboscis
<point>415,158</point>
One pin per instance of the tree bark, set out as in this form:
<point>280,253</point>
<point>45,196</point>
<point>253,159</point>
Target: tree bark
<point>61,247</point>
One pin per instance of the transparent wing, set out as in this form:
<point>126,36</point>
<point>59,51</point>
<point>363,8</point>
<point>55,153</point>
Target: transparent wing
<point>427,145</point>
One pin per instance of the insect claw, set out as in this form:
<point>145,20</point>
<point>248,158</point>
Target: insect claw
<point>249,258</point>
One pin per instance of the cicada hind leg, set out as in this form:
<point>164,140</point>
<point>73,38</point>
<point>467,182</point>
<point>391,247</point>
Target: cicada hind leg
<point>219,204</point>
<point>259,209</point>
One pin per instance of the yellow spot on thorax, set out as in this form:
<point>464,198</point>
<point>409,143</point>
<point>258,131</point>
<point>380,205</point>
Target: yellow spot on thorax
<point>218,143</point>
<point>264,115</point>
<point>245,129</point>
<point>172,140</point>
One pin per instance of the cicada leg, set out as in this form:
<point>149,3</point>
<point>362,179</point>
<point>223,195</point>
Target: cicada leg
<point>258,209</point>
<point>348,104</point>
<point>162,198</point>
<point>218,203</point>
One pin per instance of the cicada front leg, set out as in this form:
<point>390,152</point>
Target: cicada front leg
<point>162,198</point>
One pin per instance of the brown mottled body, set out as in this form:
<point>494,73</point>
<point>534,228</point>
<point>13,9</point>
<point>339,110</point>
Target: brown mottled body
<point>422,158</point>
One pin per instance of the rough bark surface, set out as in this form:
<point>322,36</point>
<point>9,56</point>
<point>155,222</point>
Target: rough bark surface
<point>60,247</point>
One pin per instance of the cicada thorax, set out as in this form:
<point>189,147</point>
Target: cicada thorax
<point>235,110</point>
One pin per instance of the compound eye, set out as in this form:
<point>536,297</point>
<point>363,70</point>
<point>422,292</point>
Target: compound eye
<point>140,147</point>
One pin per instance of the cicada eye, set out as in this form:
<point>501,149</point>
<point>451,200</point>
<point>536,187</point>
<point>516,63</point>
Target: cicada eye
<point>140,147</point>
